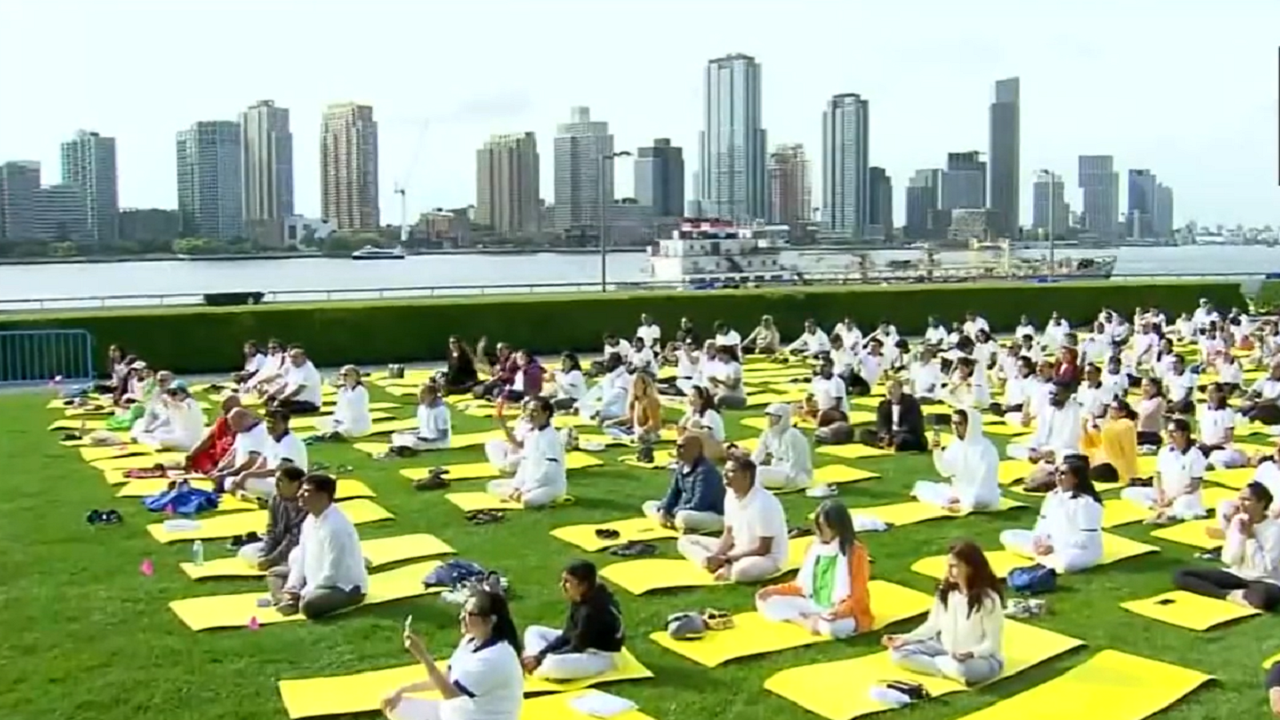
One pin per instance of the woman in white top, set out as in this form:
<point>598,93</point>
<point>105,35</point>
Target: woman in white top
<point>642,358</point>
<point>1068,534</point>
<point>971,462</point>
<point>351,417</point>
<point>702,421</point>
<point>765,339</point>
<point>540,478</point>
<point>1251,553</point>
<point>684,357</point>
<point>1180,387</point>
<point>154,413</point>
<point>271,373</point>
<point>782,455</point>
<point>725,379</point>
<point>183,424</point>
<point>926,377</point>
<point>966,388</point>
<point>962,637</point>
<point>1230,374</point>
<point>1217,426</point>
<point>571,384</point>
<point>1017,391</point>
<point>1180,468</point>
<point>484,679</point>
<point>435,423</point>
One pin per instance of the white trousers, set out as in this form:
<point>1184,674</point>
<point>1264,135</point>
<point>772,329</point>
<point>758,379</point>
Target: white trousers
<point>166,439</point>
<point>1185,507</point>
<point>414,708</point>
<point>1018,451</point>
<point>412,441</point>
<point>696,549</point>
<point>781,477</point>
<point>1227,457</point>
<point>502,455</point>
<point>1022,544</point>
<point>565,666</point>
<point>790,608</point>
<point>328,425</point>
<point>541,497</point>
<point>250,553</point>
<point>940,494</point>
<point>693,521</point>
<point>262,487</point>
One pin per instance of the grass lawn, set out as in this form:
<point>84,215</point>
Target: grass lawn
<point>85,635</point>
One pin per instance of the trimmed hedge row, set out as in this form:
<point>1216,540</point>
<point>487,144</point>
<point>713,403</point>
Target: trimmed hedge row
<point>201,339</point>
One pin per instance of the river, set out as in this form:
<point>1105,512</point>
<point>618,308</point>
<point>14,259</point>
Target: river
<point>24,284</point>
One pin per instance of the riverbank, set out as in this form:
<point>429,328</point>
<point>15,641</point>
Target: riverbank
<point>300,255</point>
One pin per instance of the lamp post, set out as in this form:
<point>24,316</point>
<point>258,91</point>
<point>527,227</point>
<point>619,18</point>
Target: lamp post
<point>605,159</point>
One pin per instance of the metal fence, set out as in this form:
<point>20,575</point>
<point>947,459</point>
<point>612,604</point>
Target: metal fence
<point>45,356</point>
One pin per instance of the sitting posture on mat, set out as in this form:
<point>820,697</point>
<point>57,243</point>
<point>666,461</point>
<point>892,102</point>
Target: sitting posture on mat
<point>460,375</point>
<point>682,355</point>
<point>139,380</point>
<point>302,390</point>
<point>351,417</point>
<point>216,443</point>
<point>285,516</point>
<point>649,333</point>
<point>527,379</point>
<point>753,546</point>
<point>248,450</point>
<point>593,631</point>
<point>484,680</point>
<point>435,423</point>
<point>501,366</point>
<point>1018,385</point>
<point>765,339</point>
<point>284,448</point>
<point>724,378</point>
<point>925,376</point>
<point>570,383</point>
<point>1262,403</point>
<point>829,595</point>
<point>899,421</point>
<point>254,361</point>
<point>1180,468</point>
<point>828,394</point>
<point>1093,394</point>
<point>1068,534</point>
<point>148,415</point>
<point>970,461</point>
<point>1112,445</point>
<point>643,419</point>
<point>183,424</point>
<point>271,372</point>
<point>326,571</point>
<point>642,357</point>
<point>782,454</point>
<point>961,638</point>
<point>966,388</point>
<point>703,421</point>
<point>607,399</point>
<point>540,474</point>
<point>695,499</point>
<point>1151,410</point>
<point>812,342</point>
<point>1250,551</point>
<point>1217,425</point>
<point>1059,428</point>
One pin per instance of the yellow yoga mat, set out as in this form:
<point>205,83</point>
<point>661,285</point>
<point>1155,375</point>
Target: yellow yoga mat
<point>760,423</point>
<point>456,442</point>
<point>1188,610</point>
<point>363,692</point>
<point>810,686</point>
<point>313,422</point>
<point>348,488</point>
<point>1114,549</point>
<point>61,403</point>
<point>484,471</point>
<point>648,574</point>
<point>1117,512</point>
<point>1252,449</point>
<point>121,438</point>
<point>107,452</point>
<point>607,441</point>
<point>1190,533</point>
<point>910,513</point>
<point>1233,478</point>
<point>73,425</point>
<point>1012,471</point>
<point>837,475</point>
<point>855,451</point>
<point>753,634</point>
<point>378,552</point>
<point>225,526</point>
<point>1005,429</point>
<point>1111,685</point>
<point>168,459</point>
<point>473,501</point>
<point>386,427</point>
<point>559,706</point>
<point>768,398</point>
<point>640,529</point>
<point>229,611</point>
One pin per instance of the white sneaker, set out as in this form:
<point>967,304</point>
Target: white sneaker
<point>821,491</point>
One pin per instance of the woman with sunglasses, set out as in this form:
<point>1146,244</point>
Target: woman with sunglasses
<point>1068,535</point>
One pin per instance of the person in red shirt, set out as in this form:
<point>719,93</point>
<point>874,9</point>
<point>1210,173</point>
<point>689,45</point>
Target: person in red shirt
<point>216,443</point>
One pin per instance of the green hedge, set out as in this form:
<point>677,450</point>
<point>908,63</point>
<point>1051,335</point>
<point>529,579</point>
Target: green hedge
<point>201,339</point>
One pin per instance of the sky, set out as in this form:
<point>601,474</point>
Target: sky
<point>1186,89</point>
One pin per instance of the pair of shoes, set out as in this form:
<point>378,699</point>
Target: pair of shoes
<point>634,549</point>
<point>239,541</point>
<point>436,480</point>
<point>1024,608</point>
<point>485,517</point>
<point>717,619</point>
<point>104,517</point>
<point>607,534</point>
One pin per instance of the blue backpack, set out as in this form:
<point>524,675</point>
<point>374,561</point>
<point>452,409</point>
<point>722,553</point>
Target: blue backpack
<point>1033,580</point>
<point>453,573</point>
<point>183,499</point>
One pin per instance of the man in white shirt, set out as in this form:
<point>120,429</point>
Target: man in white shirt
<point>326,572</point>
<point>1203,315</point>
<point>540,478</point>
<point>754,545</point>
<point>1262,402</point>
<point>248,450</point>
<point>935,335</point>
<point>302,392</point>
<point>812,343</point>
<point>649,332</point>
<point>727,336</point>
<point>284,449</point>
<point>973,323</point>
<point>848,332</point>
<point>1024,328</point>
<point>827,389</point>
<point>1058,433</point>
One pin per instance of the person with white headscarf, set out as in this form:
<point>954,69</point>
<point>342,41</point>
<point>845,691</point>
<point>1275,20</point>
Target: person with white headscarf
<point>782,455</point>
<point>971,462</point>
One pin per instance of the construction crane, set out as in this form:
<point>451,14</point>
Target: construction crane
<point>402,187</point>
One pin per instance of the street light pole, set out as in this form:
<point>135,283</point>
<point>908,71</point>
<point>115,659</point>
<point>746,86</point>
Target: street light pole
<point>1053,181</point>
<point>605,159</point>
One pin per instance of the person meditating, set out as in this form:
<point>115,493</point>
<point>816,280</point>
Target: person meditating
<point>1112,446</point>
<point>1180,469</point>
<point>1059,429</point>
<point>182,426</point>
<point>284,449</point>
<point>503,453</point>
<point>540,475</point>
<point>643,420</point>
<point>302,391</point>
<point>961,638</point>
<point>695,498</point>
<point>1068,534</point>
<point>972,464</point>
<point>247,451</point>
<point>593,632</point>
<point>899,420</point>
<point>702,421</point>
<point>1250,551</point>
<point>435,424</point>
<point>460,375</point>
<point>782,454</point>
<point>327,572</point>
<point>753,546</point>
<point>216,443</point>
<point>351,417</point>
<point>829,596</point>
<point>285,516</point>
<point>765,339</point>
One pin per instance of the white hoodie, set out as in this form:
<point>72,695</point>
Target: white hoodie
<point>972,464</point>
<point>786,445</point>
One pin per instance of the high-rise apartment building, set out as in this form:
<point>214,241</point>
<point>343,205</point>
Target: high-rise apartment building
<point>61,213</point>
<point>349,167</point>
<point>583,170</point>
<point>1004,158</point>
<point>1100,186</point>
<point>845,147</point>
<point>19,184</point>
<point>731,146</point>
<point>964,184</point>
<point>923,197</point>
<point>267,162</point>
<point>659,178</point>
<point>1049,212</point>
<point>507,185</point>
<point>879,204</point>
<point>210,180</point>
<point>89,161</point>
<point>790,186</point>
<point>1143,199</point>
<point>1164,212</point>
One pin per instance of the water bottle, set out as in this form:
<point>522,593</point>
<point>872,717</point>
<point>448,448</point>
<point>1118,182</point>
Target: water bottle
<point>197,553</point>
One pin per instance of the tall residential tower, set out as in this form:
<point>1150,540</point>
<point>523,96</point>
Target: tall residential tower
<point>1100,186</point>
<point>845,191</point>
<point>659,178</point>
<point>1004,159</point>
<point>580,186</point>
<point>507,194</point>
<point>210,181</point>
<point>89,162</point>
<point>790,186</point>
<point>266,145</point>
<point>349,167</point>
<point>731,146</point>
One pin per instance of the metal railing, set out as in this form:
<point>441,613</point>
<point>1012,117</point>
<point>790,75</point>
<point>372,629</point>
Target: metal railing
<point>45,356</point>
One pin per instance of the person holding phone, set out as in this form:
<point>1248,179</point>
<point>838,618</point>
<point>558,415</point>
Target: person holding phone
<point>1250,552</point>
<point>970,462</point>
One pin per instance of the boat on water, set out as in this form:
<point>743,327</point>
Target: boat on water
<point>710,253</point>
<point>369,252</point>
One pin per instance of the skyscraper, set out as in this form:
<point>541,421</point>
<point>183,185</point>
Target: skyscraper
<point>349,167</point>
<point>89,161</point>
<point>1143,198</point>
<point>879,204</point>
<point>1164,212</point>
<point>267,162</point>
<point>659,178</point>
<point>964,184</point>
<point>1005,158</point>
<point>790,186</point>
<point>210,180</point>
<point>1100,186</point>
<point>19,184</point>
<point>507,185</point>
<point>1049,211</point>
<point>845,141</point>
<point>923,195</point>
<point>579,186</point>
<point>731,146</point>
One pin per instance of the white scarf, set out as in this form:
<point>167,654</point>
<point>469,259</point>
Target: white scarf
<point>843,586</point>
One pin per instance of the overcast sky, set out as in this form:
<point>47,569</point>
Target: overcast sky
<point>1186,89</point>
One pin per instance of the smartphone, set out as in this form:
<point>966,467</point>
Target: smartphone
<point>1166,601</point>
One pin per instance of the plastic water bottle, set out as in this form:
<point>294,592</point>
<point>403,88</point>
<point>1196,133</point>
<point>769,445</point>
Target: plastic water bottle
<point>197,553</point>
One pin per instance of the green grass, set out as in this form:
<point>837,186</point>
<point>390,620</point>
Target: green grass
<point>86,635</point>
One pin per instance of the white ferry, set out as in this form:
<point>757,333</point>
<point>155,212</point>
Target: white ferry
<point>369,252</point>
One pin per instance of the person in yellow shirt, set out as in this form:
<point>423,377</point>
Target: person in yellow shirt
<point>1112,444</point>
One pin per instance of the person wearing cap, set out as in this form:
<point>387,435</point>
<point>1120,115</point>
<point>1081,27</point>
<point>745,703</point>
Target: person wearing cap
<point>782,455</point>
<point>153,406</point>
<point>754,544</point>
<point>1059,431</point>
<point>283,450</point>
<point>183,424</point>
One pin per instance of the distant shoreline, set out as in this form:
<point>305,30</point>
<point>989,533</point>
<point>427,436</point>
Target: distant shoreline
<point>168,257</point>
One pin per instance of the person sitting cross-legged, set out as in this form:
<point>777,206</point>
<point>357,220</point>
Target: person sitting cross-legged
<point>327,570</point>
<point>1068,534</point>
<point>285,516</point>
<point>593,632</point>
<point>753,546</point>
<point>1251,553</point>
<point>540,478</point>
<point>971,462</point>
<point>695,498</point>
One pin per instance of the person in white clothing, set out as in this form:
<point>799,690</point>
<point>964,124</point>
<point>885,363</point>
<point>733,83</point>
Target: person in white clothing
<point>725,379</point>
<point>183,425</point>
<point>570,383</point>
<point>326,572</point>
<point>935,335</point>
<point>702,421</point>
<point>782,454</point>
<point>827,390</point>
<point>1267,474</point>
<point>435,424</point>
<point>970,462</point>
<point>504,453</point>
<point>1024,329</point>
<point>351,417</point>
<point>248,450</point>
<point>812,343</point>
<point>649,333</point>
<point>966,387</point>
<point>302,392</point>
<point>848,331</point>
<point>1217,426</point>
<point>1058,429</point>
<point>484,679</point>
<point>643,358</point>
<point>754,544</point>
<point>1018,389</point>
<point>154,411</point>
<point>1251,553</point>
<point>765,339</point>
<point>254,361</point>
<point>540,478</point>
<point>973,323</point>
<point>1262,402</point>
<point>270,373</point>
<point>926,377</point>
<point>1180,387</point>
<point>1067,536</point>
<point>607,399</point>
<point>1230,374</point>
<point>726,336</point>
<point>593,633</point>
<point>284,449</point>
<point>1180,469</point>
<point>962,639</point>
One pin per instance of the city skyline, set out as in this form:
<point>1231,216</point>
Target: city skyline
<point>1184,121</point>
